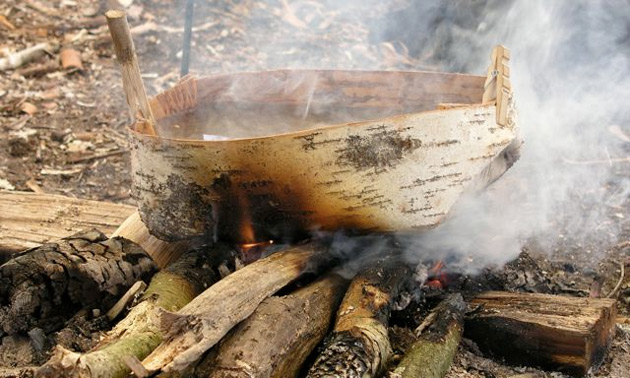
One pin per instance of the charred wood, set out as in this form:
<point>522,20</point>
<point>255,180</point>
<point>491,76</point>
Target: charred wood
<point>202,323</point>
<point>438,338</point>
<point>359,346</point>
<point>139,333</point>
<point>278,337</point>
<point>44,286</point>
<point>569,334</point>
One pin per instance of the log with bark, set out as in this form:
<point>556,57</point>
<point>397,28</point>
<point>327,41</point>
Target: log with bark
<point>569,334</point>
<point>44,286</point>
<point>359,346</point>
<point>278,337</point>
<point>31,219</point>
<point>139,333</point>
<point>203,322</point>
<point>438,338</point>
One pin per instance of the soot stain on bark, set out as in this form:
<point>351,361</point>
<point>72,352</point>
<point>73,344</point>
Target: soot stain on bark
<point>185,213</point>
<point>379,151</point>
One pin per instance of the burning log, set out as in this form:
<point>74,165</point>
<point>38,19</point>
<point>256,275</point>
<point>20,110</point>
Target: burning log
<point>278,337</point>
<point>138,333</point>
<point>42,287</point>
<point>203,322</point>
<point>565,333</point>
<point>439,335</point>
<point>359,346</point>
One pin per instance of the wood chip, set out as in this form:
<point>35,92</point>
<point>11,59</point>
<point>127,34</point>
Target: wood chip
<point>6,23</point>
<point>32,185</point>
<point>71,59</point>
<point>61,172</point>
<point>124,301</point>
<point>28,108</point>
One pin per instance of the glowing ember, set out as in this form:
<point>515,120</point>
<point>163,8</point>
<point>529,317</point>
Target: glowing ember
<point>438,279</point>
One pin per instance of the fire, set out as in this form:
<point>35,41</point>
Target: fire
<point>250,249</point>
<point>251,252</point>
<point>438,279</point>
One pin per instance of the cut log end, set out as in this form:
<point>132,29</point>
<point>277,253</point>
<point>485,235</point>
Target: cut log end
<point>564,333</point>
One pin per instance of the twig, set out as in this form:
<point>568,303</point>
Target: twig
<point>134,291</point>
<point>621,277</point>
<point>22,57</point>
<point>622,245</point>
<point>6,23</point>
<point>82,159</point>
<point>42,8</point>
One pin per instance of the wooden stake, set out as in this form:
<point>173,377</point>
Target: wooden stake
<point>132,80</point>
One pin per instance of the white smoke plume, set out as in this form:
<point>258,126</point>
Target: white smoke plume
<point>571,77</point>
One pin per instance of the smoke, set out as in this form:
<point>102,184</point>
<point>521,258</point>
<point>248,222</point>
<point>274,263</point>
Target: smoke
<point>571,79</point>
<point>570,75</point>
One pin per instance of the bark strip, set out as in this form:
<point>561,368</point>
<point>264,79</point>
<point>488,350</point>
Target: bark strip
<point>432,354</point>
<point>139,332</point>
<point>278,337</point>
<point>44,286</point>
<point>203,322</point>
<point>359,346</point>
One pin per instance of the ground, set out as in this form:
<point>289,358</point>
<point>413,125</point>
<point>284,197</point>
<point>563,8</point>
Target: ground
<point>63,130</point>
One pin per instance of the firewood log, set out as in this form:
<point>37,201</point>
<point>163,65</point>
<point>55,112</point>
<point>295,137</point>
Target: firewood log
<point>139,333</point>
<point>278,337</point>
<point>203,322</point>
<point>162,252</point>
<point>44,286</point>
<point>439,335</point>
<point>568,334</point>
<point>359,346</point>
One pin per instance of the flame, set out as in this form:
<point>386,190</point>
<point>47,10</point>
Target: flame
<point>247,246</point>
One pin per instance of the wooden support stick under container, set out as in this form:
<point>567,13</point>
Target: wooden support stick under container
<point>132,81</point>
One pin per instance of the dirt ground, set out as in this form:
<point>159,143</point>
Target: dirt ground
<point>63,130</point>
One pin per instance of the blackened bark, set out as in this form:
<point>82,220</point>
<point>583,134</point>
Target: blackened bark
<point>44,286</point>
<point>359,345</point>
